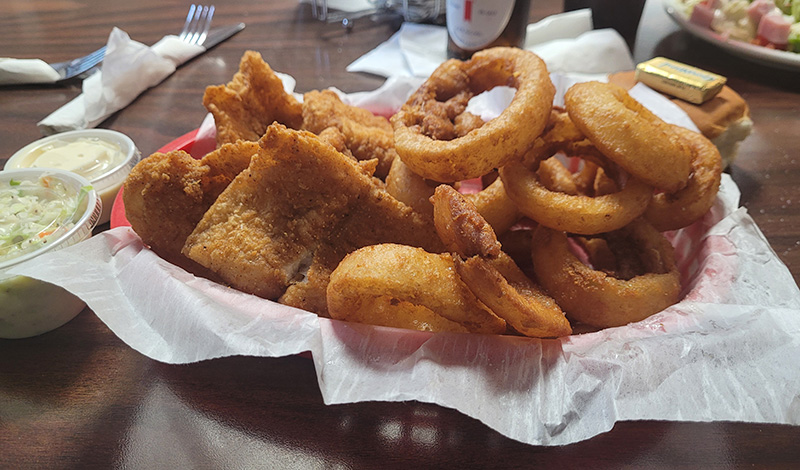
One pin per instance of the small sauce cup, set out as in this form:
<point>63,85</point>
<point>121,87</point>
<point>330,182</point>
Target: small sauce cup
<point>102,156</point>
<point>41,210</point>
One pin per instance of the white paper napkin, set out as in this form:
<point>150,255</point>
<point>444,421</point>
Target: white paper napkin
<point>566,42</point>
<point>26,71</point>
<point>128,69</point>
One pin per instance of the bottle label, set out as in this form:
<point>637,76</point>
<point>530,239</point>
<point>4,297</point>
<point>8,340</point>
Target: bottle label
<point>474,24</point>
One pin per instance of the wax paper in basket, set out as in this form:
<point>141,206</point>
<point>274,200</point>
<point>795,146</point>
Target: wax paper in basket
<point>726,352</point>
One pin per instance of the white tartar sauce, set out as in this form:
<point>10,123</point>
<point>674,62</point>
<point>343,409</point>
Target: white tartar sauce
<point>89,157</point>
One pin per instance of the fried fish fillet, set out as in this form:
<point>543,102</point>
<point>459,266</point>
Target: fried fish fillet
<point>251,101</point>
<point>283,225</point>
<point>166,194</point>
<point>365,135</point>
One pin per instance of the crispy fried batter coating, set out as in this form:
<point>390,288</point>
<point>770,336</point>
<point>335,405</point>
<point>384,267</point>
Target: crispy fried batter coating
<point>387,310</point>
<point>441,119</point>
<point>366,135</point>
<point>599,298</point>
<point>466,122</point>
<point>283,225</point>
<point>334,136</point>
<point>166,195</point>
<point>253,100</point>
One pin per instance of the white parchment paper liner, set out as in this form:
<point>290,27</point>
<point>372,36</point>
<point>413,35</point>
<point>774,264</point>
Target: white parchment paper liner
<point>728,351</point>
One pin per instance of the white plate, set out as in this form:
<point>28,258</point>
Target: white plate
<point>764,55</point>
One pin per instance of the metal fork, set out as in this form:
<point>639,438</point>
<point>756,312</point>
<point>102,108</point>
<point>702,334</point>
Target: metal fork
<point>73,68</point>
<point>195,31</point>
<point>198,21</point>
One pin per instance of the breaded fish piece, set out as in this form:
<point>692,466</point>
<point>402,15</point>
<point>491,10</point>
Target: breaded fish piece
<point>365,135</point>
<point>166,194</point>
<point>283,225</point>
<point>251,101</point>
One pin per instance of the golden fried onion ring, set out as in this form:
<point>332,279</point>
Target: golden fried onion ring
<point>401,282</point>
<point>491,145</point>
<point>597,298</point>
<point>547,192</point>
<point>671,211</point>
<point>576,213</point>
<point>629,134</point>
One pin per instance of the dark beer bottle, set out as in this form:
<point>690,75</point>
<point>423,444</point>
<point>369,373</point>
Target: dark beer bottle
<point>473,25</point>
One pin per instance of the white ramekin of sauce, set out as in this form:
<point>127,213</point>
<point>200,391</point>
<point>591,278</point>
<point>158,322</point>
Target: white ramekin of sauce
<point>40,210</point>
<point>102,156</point>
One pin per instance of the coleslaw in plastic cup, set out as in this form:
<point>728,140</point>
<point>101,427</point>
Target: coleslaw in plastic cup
<point>40,210</point>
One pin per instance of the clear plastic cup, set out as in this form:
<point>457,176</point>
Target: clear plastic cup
<point>29,307</point>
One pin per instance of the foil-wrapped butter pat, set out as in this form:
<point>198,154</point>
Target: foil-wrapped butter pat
<point>679,80</point>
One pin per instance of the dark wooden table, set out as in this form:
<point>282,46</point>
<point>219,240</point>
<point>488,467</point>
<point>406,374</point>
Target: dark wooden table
<point>80,398</point>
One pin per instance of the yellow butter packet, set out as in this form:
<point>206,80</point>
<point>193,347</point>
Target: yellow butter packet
<point>680,80</point>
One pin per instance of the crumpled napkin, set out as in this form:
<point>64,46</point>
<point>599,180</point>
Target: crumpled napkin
<point>129,68</point>
<point>26,71</point>
<point>566,42</point>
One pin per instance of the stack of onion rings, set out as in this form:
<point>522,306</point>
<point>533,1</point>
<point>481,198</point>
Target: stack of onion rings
<point>639,176</point>
<point>489,146</point>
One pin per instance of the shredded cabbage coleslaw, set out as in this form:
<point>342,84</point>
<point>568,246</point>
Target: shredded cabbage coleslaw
<point>35,213</point>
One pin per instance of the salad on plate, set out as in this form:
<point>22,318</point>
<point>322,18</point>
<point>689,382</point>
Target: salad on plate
<point>774,24</point>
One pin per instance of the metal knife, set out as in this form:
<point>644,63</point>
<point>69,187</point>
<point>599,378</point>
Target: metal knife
<point>217,35</point>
